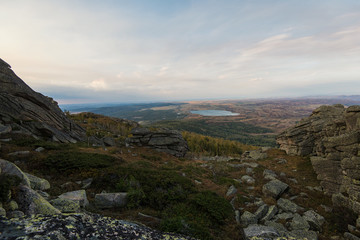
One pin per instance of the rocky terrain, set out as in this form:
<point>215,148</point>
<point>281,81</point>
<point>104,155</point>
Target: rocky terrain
<point>331,137</point>
<point>77,182</point>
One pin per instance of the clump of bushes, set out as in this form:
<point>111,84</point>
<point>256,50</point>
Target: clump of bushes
<point>212,146</point>
<point>68,160</point>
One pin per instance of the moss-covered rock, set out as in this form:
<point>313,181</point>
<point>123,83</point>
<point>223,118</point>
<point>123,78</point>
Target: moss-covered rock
<point>30,202</point>
<point>79,226</point>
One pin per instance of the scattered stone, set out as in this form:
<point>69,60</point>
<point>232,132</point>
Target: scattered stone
<point>109,141</point>
<point>66,205</point>
<point>247,179</point>
<point>278,226</point>
<point>237,216</point>
<point>39,149</point>
<point>110,200</point>
<point>274,188</point>
<point>257,155</point>
<point>249,170</point>
<point>15,214</point>
<point>261,211</point>
<point>197,182</point>
<point>12,206</point>
<point>19,153</point>
<point>78,196</point>
<point>87,182</point>
<point>5,139</point>
<point>293,180</point>
<point>37,183</point>
<point>287,205</point>
<point>304,195</point>
<point>284,215</point>
<point>248,218</point>
<point>282,174</point>
<point>318,188</point>
<point>260,231</point>
<point>232,202</point>
<point>299,223</point>
<point>349,236</point>
<point>326,208</point>
<point>301,234</point>
<point>281,160</point>
<point>269,174</point>
<point>259,202</point>
<point>272,211</point>
<point>314,219</point>
<point>231,191</point>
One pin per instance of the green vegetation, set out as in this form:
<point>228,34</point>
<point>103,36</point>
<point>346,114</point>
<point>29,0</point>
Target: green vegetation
<point>238,131</point>
<point>174,197</point>
<point>7,183</point>
<point>101,126</point>
<point>211,146</point>
<point>70,160</point>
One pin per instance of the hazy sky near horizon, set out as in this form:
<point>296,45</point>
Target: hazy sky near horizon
<point>149,50</point>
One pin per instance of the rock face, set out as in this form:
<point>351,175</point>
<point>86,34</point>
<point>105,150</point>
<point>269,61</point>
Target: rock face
<point>32,113</point>
<point>163,140</point>
<point>331,136</point>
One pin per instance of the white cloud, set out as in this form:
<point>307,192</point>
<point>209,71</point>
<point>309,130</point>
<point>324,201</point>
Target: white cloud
<point>99,85</point>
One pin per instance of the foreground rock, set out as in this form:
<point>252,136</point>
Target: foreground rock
<point>77,226</point>
<point>31,112</point>
<point>162,140</point>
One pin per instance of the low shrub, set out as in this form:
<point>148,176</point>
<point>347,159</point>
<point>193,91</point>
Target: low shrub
<point>67,160</point>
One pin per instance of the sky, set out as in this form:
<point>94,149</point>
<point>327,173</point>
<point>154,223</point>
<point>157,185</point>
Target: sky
<point>87,51</point>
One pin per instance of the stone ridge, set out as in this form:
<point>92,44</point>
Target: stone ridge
<point>33,113</point>
<point>331,137</point>
<point>163,140</point>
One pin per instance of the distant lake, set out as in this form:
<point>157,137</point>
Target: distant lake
<point>214,113</point>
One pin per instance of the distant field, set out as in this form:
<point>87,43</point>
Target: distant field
<point>242,132</point>
<point>257,121</point>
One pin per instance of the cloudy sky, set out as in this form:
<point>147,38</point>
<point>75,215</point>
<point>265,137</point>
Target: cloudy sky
<point>148,50</point>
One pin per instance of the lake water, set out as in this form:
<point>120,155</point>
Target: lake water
<point>214,113</point>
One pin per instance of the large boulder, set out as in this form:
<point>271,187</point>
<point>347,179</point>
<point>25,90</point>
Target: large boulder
<point>32,112</point>
<point>8,168</point>
<point>111,200</point>
<point>76,196</point>
<point>274,188</point>
<point>30,202</point>
<point>163,140</point>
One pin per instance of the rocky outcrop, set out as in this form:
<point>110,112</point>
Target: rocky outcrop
<point>163,140</point>
<point>331,136</point>
<point>32,113</point>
